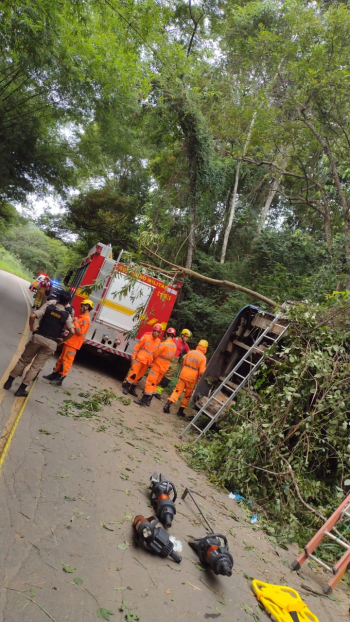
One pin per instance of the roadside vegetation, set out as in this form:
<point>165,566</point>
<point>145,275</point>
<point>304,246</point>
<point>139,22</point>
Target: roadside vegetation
<point>10,263</point>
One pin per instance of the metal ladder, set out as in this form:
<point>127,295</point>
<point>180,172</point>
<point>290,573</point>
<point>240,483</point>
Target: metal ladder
<point>234,372</point>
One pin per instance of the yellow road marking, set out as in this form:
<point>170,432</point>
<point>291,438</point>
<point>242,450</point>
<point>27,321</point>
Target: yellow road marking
<point>23,340</point>
<point>10,428</point>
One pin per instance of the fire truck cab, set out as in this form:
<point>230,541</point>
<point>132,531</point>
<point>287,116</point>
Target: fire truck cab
<point>116,315</point>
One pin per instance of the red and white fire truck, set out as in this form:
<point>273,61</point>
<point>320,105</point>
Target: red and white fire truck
<point>115,316</point>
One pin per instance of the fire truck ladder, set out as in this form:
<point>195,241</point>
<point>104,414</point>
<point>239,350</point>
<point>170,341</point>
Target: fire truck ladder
<point>234,374</point>
<point>341,566</point>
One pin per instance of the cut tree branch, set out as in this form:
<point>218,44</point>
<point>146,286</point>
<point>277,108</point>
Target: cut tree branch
<point>207,279</point>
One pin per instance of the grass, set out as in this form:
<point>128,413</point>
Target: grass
<point>10,263</point>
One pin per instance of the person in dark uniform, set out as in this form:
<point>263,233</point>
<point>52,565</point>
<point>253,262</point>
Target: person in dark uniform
<point>43,343</point>
<point>67,278</point>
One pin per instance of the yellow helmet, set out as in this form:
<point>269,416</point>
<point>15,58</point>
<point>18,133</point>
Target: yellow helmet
<point>204,343</point>
<point>88,302</point>
<point>186,332</point>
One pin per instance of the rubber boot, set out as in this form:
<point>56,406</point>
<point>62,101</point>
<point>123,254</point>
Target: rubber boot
<point>149,400</point>
<point>166,408</point>
<point>127,387</point>
<point>8,383</point>
<point>22,391</point>
<point>132,390</point>
<point>143,401</point>
<point>54,376</point>
<point>181,411</point>
<point>157,396</point>
<point>58,381</point>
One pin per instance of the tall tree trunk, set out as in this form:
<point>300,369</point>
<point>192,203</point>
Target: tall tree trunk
<point>327,230</point>
<point>342,199</point>
<point>281,162</point>
<point>191,238</point>
<point>265,210</point>
<point>232,207</point>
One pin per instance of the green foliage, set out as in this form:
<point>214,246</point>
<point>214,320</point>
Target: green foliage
<point>10,263</point>
<point>39,253</point>
<point>297,419</point>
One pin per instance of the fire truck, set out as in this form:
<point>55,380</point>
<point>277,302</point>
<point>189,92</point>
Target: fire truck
<point>118,315</point>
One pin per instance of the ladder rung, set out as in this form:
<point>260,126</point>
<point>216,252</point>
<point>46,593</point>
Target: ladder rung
<point>204,412</point>
<point>268,337</point>
<point>194,426</point>
<point>319,561</point>
<point>346,514</point>
<point>337,539</point>
<point>240,344</point>
<point>230,388</point>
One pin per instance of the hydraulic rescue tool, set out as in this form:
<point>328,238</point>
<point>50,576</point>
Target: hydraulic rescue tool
<point>212,549</point>
<point>165,508</point>
<point>213,554</point>
<point>154,537</point>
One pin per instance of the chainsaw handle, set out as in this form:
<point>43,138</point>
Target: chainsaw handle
<point>216,535</point>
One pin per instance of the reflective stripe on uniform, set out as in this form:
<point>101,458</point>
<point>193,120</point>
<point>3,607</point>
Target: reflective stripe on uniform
<point>190,366</point>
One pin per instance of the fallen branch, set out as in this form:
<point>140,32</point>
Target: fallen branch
<point>207,279</point>
<point>297,490</point>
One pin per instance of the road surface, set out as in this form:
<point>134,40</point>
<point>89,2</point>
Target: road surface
<point>69,487</point>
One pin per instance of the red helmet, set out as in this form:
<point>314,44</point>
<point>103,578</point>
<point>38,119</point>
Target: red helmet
<point>157,327</point>
<point>171,331</point>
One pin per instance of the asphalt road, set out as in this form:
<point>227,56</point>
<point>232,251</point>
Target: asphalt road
<point>69,487</point>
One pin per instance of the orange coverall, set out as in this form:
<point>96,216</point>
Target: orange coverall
<point>161,362</point>
<point>69,350</point>
<point>194,365</point>
<point>142,357</point>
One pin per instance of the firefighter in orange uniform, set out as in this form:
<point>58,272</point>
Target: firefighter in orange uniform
<point>142,358</point>
<point>72,345</point>
<point>161,361</point>
<point>193,367</point>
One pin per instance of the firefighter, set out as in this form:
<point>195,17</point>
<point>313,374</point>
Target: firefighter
<point>181,349</point>
<point>72,345</point>
<point>43,343</point>
<point>43,288</point>
<point>161,361</point>
<point>68,277</point>
<point>193,367</point>
<point>142,357</point>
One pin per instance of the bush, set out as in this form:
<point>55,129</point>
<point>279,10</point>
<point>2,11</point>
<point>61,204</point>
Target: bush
<point>287,445</point>
<point>11,263</point>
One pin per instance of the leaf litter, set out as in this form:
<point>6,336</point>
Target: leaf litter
<point>89,407</point>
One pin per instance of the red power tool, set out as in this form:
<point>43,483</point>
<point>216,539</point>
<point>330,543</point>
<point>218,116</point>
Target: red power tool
<point>156,539</point>
<point>165,508</point>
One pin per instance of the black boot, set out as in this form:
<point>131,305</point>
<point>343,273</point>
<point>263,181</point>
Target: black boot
<point>22,391</point>
<point>157,396</point>
<point>54,376</point>
<point>58,381</point>
<point>127,388</point>
<point>143,401</point>
<point>132,390</point>
<point>166,408</point>
<point>8,383</point>
<point>181,411</point>
<point>149,400</point>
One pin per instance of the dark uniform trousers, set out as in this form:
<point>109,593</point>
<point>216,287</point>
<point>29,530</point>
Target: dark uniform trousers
<point>36,352</point>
